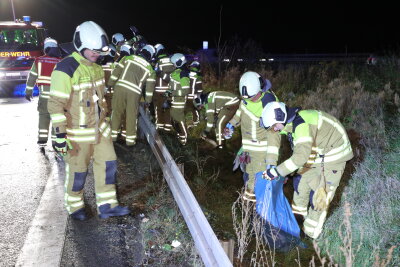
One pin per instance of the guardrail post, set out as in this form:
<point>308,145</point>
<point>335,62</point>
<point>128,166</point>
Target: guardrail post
<point>228,246</point>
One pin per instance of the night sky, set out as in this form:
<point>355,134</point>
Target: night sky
<point>304,27</point>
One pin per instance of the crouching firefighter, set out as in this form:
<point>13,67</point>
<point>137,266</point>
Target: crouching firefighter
<point>321,148</point>
<point>220,107</point>
<point>40,74</point>
<point>78,112</point>
<point>260,147</point>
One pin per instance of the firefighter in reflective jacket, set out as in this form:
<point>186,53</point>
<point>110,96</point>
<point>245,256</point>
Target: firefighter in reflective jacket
<point>130,77</point>
<point>196,88</point>
<point>220,107</point>
<point>260,147</point>
<point>179,85</point>
<point>321,148</point>
<point>78,112</point>
<point>40,74</point>
<point>163,68</point>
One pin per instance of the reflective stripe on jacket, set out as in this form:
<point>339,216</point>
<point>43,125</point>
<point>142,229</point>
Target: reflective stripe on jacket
<point>316,136</point>
<point>77,105</point>
<point>134,73</point>
<point>40,74</point>
<point>254,137</point>
<point>215,102</point>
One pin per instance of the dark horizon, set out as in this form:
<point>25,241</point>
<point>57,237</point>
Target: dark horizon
<point>301,28</point>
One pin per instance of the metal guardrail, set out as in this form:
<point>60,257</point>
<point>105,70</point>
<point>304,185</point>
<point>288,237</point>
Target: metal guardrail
<point>204,237</point>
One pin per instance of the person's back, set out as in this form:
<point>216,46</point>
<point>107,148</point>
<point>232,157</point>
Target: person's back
<point>131,76</point>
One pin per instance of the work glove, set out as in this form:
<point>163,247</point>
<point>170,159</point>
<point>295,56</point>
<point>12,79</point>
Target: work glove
<point>320,199</point>
<point>270,174</point>
<point>168,93</point>
<point>228,131</point>
<point>245,158</point>
<point>62,144</point>
<point>204,134</point>
<point>28,96</point>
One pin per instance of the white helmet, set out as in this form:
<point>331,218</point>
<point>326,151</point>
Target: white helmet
<point>159,48</point>
<point>49,42</point>
<point>273,112</point>
<point>250,84</point>
<point>117,37</point>
<point>90,35</point>
<point>147,52</point>
<point>113,50</point>
<point>195,64</point>
<point>178,60</point>
<point>127,49</point>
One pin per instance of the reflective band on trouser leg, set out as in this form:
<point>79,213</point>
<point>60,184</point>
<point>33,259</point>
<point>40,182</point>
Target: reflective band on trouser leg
<point>44,120</point>
<point>76,170</point>
<point>104,169</point>
<point>220,125</point>
<point>118,106</point>
<point>257,164</point>
<point>301,196</point>
<point>131,117</point>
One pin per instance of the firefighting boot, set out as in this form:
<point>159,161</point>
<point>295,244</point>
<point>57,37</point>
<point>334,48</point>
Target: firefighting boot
<point>79,215</point>
<point>106,211</point>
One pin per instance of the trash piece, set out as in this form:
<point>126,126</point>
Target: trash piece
<point>175,243</point>
<point>167,247</point>
<point>144,220</point>
<point>141,215</point>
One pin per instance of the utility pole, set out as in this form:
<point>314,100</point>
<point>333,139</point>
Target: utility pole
<point>12,6</point>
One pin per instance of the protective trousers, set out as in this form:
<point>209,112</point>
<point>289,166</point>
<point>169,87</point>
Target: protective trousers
<point>104,170</point>
<point>44,121</point>
<point>194,113</point>
<point>125,102</point>
<point>178,117</point>
<point>256,164</point>
<point>223,117</point>
<point>163,117</point>
<point>305,184</point>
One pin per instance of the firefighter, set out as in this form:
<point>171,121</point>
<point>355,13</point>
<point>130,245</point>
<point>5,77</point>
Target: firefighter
<point>118,40</point>
<point>196,88</point>
<point>78,112</point>
<point>107,63</point>
<point>260,147</point>
<point>40,74</point>
<point>220,107</point>
<point>321,148</point>
<point>178,89</point>
<point>163,68</point>
<point>130,77</point>
<point>137,41</point>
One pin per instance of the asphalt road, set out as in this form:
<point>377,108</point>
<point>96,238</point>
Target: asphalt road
<point>27,176</point>
<point>24,172</point>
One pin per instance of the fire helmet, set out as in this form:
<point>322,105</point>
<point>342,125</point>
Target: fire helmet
<point>117,37</point>
<point>90,35</point>
<point>273,112</point>
<point>250,84</point>
<point>178,60</point>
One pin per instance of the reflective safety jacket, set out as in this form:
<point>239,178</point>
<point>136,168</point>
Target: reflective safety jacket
<point>254,137</point>
<point>196,84</point>
<point>134,73</point>
<point>316,137</point>
<point>40,74</point>
<point>76,104</point>
<point>215,102</point>
<point>179,84</point>
<point>163,68</point>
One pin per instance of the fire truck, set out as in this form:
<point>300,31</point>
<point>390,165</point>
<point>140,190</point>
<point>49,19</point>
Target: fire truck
<point>21,41</point>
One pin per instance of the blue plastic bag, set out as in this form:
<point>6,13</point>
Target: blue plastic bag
<point>281,229</point>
